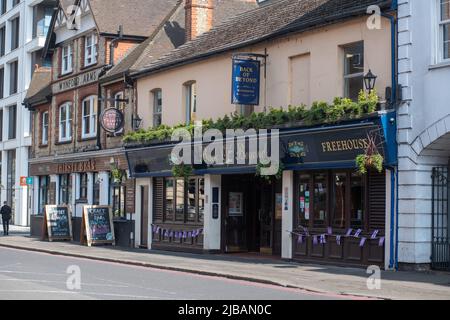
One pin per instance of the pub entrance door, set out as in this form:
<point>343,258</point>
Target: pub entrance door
<point>252,220</point>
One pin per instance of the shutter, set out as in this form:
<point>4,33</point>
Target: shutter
<point>377,201</point>
<point>158,199</point>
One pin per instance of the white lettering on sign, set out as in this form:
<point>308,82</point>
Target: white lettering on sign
<point>77,81</point>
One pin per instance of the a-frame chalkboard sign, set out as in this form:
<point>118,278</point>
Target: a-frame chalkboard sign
<point>57,224</point>
<point>97,226</point>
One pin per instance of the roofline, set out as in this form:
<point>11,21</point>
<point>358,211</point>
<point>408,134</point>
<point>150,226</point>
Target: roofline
<point>360,11</point>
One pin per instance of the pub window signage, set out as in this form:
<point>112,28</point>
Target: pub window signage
<point>246,81</point>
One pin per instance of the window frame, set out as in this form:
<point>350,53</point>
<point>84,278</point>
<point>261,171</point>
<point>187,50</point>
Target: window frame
<point>45,126</point>
<point>120,105</point>
<point>349,76</point>
<point>440,33</point>
<point>91,117</point>
<point>93,46</point>
<point>83,187</point>
<point>65,189</point>
<point>157,102</point>
<point>66,53</point>
<point>43,192</point>
<point>191,100</point>
<point>67,122</point>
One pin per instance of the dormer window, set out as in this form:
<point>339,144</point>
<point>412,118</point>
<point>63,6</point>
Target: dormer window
<point>90,47</point>
<point>67,59</point>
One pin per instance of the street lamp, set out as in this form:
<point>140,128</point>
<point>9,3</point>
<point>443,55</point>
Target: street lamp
<point>370,80</point>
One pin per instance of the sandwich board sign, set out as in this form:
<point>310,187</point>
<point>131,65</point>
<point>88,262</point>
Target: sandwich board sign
<point>57,223</point>
<point>97,226</point>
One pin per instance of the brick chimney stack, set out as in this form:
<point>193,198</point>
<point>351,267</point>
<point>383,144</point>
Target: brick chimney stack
<point>199,17</point>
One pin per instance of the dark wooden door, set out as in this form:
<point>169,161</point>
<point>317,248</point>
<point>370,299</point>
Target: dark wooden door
<point>266,219</point>
<point>144,216</point>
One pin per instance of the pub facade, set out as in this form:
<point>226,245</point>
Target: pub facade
<point>320,207</point>
<point>77,157</point>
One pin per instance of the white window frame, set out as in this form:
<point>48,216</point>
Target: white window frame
<point>45,126</point>
<point>191,100</point>
<point>90,50</point>
<point>440,34</point>
<point>91,117</point>
<point>66,54</point>
<point>66,123</point>
<point>155,112</point>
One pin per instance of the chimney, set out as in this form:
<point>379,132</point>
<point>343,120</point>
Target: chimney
<point>199,17</point>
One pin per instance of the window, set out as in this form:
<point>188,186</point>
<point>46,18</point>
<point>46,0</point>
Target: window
<point>66,59</point>
<point>65,122</point>
<point>42,16</point>
<point>184,201</point>
<point>89,123</point>
<point>320,200</point>
<point>118,192</point>
<point>90,50</point>
<point>157,107</point>
<point>2,41</point>
<point>13,77</point>
<point>12,122</point>
<point>96,190</point>
<point>15,3</point>
<point>119,102</point>
<point>339,199</point>
<point>3,6</point>
<point>44,182</point>
<point>15,33</point>
<point>83,186</point>
<point>65,189</point>
<point>444,30</point>
<point>191,101</point>
<point>358,203</point>
<point>353,70</point>
<point>2,82</point>
<point>45,128</point>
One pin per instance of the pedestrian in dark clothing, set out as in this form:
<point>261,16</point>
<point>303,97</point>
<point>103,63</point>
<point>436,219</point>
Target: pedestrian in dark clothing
<point>6,212</point>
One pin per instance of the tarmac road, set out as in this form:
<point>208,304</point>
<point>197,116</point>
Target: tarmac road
<point>39,276</point>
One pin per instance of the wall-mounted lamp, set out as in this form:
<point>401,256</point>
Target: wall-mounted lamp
<point>136,121</point>
<point>369,80</point>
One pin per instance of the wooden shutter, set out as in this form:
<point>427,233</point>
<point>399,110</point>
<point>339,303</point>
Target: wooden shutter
<point>377,201</point>
<point>158,199</point>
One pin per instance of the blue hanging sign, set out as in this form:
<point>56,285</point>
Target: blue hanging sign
<point>246,82</point>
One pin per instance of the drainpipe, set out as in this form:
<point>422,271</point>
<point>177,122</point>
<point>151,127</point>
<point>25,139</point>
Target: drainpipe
<point>393,21</point>
<point>396,227</point>
<point>393,201</point>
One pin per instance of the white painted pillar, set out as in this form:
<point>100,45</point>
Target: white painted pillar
<point>75,178</point>
<point>35,198</point>
<point>58,183</point>
<point>54,179</point>
<point>104,188</point>
<point>288,215</point>
<point>212,227</point>
<point>387,243</point>
<point>90,188</point>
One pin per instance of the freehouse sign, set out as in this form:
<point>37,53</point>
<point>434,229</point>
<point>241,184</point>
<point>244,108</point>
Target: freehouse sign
<point>77,81</point>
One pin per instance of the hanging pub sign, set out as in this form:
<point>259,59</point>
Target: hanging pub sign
<point>57,223</point>
<point>112,120</point>
<point>97,226</point>
<point>246,82</point>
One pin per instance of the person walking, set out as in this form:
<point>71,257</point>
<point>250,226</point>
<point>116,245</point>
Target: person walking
<point>5,212</point>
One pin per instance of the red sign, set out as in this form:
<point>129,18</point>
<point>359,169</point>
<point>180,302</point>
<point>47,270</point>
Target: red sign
<point>23,181</point>
<point>112,120</point>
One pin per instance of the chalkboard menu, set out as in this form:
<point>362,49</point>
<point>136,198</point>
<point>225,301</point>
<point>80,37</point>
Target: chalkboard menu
<point>57,223</point>
<point>97,225</point>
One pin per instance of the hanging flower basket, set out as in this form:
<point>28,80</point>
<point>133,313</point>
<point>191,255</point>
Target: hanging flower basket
<point>371,159</point>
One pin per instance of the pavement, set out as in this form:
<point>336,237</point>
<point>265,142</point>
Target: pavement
<point>324,279</point>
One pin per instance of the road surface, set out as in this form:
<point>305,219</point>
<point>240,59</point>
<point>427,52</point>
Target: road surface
<point>39,276</point>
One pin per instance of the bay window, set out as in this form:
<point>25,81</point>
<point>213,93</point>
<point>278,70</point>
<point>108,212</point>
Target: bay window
<point>89,115</point>
<point>65,122</point>
<point>90,50</point>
